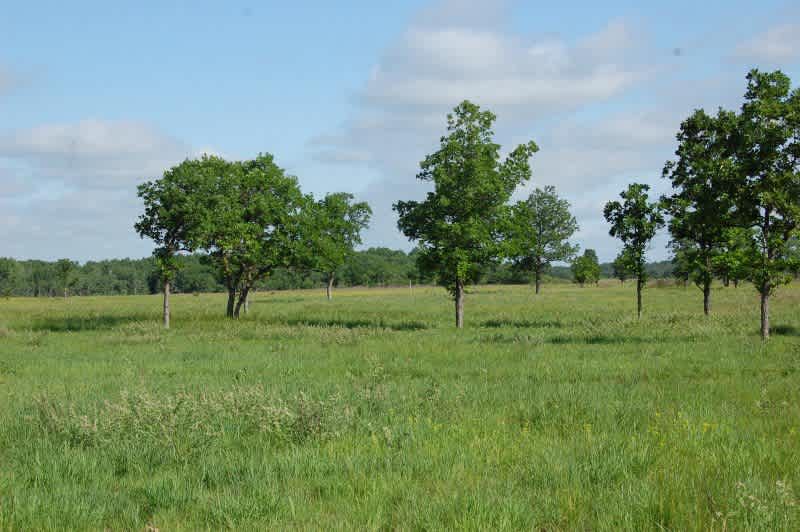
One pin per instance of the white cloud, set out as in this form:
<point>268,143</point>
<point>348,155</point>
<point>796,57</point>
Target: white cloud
<point>69,190</point>
<point>777,44</point>
<point>442,65</point>
<point>93,153</point>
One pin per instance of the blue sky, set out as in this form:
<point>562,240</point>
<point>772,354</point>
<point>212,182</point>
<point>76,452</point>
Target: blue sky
<point>96,98</point>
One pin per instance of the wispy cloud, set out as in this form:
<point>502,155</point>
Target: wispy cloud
<point>780,43</point>
<point>70,189</point>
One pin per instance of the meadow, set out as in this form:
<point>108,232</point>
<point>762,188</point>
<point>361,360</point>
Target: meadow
<point>553,412</point>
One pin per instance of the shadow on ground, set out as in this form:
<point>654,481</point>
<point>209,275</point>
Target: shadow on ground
<point>785,330</point>
<point>355,324</point>
<point>497,324</point>
<point>80,323</point>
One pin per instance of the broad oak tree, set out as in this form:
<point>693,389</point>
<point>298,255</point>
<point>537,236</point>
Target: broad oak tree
<point>700,206</point>
<point>621,267</point>
<point>65,271</point>
<point>767,182</point>
<point>459,226</point>
<point>731,263</point>
<point>539,233</point>
<point>256,225</point>
<point>586,268</point>
<point>334,228</point>
<point>635,222</point>
<point>175,213</point>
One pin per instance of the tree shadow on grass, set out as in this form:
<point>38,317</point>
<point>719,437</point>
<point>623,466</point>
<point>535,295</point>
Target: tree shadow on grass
<point>785,330</point>
<point>521,324</point>
<point>79,323</point>
<point>601,339</point>
<point>355,324</point>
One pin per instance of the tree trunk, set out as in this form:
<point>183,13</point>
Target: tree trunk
<point>765,313</point>
<point>247,302</point>
<point>65,292</point>
<point>243,294</point>
<point>459,299</point>
<point>638,297</point>
<point>707,298</point>
<point>329,287</point>
<point>166,303</point>
<point>736,283</point>
<point>231,302</point>
<point>538,281</point>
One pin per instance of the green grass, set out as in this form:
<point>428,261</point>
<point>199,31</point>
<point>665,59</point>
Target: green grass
<point>553,412</point>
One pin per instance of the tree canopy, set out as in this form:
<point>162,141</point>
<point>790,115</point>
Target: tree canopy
<point>635,221</point>
<point>333,230</point>
<point>459,226</point>
<point>539,232</point>
<point>700,206</point>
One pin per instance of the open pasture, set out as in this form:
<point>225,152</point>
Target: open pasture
<point>554,412</point>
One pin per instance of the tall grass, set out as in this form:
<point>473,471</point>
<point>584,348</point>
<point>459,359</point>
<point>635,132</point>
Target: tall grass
<point>555,412</point>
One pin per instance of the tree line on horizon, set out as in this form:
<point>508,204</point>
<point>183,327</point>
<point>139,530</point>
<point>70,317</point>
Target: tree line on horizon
<point>372,267</point>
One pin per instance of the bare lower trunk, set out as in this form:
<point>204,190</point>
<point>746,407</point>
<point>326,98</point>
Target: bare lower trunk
<point>246,307</point>
<point>231,302</point>
<point>166,304</point>
<point>639,298</point>
<point>707,298</point>
<point>239,304</point>
<point>765,314</point>
<point>538,282</point>
<point>66,293</point>
<point>329,287</point>
<point>459,300</point>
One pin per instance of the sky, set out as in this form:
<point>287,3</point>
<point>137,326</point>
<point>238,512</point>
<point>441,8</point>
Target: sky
<point>97,97</point>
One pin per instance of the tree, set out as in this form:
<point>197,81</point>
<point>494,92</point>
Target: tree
<point>256,225</point>
<point>65,272</point>
<point>175,212</point>
<point>700,206</point>
<point>459,225</point>
<point>767,182</point>
<point>731,263</point>
<point>681,261</point>
<point>334,231</point>
<point>621,267</point>
<point>635,222</point>
<point>586,268</point>
<point>9,270</point>
<point>539,231</point>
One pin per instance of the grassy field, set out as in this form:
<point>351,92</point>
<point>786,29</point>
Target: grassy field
<point>552,412</point>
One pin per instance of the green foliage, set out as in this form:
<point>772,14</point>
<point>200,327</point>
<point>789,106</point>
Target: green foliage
<point>634,221</point>
<point>621,267</point>
<point>9,271</point>
<point>683,261</point>
<point>256,223</point>
<point>767,183</point>
<point>333,230</point>
<point>460,224</point>
<point>701,204</point>
<point>65,272</point>
<point>586,268</point>
<point>176,211</point>
<point>539,232</point>
<point>732,262</point>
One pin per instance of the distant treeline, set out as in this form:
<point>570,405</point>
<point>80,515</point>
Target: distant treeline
<point>370,267</point>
